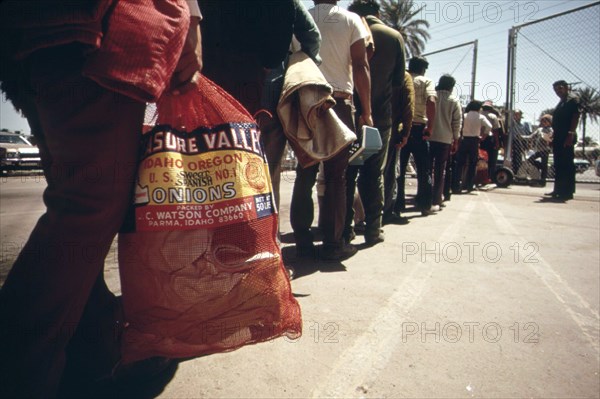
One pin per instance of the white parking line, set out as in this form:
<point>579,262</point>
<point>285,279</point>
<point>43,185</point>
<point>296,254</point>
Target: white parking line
<point>582,313</point>
<point>372,350</point>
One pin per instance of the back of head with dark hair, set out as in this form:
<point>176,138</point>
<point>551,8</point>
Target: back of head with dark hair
<point>418,65</point>
<point>446,82</point>
<point>474,105</point>
<point>364,7</point>
<point>560,83</point>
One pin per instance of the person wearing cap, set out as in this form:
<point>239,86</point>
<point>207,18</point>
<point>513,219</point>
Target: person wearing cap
<point>445,135</point>
<point>564,123</point>
<point>491,143</point>
<point>540,142</point>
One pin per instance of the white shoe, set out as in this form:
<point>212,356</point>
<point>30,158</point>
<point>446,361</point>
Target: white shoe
<point>435,208</point>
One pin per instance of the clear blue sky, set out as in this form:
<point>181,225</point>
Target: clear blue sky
<point>457,22</point>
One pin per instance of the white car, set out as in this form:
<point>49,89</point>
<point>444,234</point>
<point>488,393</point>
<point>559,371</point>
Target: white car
<point>590,151</point>
<point>16,153</point>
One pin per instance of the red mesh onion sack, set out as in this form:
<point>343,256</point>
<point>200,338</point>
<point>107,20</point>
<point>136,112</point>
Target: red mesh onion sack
<point>201,270</point>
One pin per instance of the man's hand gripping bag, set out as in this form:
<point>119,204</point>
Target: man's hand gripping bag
<point>201,270</point>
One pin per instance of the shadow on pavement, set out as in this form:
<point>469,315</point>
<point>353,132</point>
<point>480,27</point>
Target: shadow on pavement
<point>76,385</point>
<point>306,266</point>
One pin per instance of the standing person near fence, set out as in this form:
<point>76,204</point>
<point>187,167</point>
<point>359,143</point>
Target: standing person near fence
<point>475,128</point>
<point>518,131</point>
<point>345,66</point>
<point>564,123</point>
<point>541,141</point>
<point>387,67</point>
<point>445,135</point>
<point>85,105</point>
<point>418,144</point>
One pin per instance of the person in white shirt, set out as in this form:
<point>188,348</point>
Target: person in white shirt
<point>541,143</point>
<point>345,66</point>
<point>476,127</point>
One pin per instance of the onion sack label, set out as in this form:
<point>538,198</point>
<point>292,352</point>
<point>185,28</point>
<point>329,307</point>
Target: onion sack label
<point>206,178</point>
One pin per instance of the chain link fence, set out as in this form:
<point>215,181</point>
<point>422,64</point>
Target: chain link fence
<point>460,61</point>
<point>560,47</point>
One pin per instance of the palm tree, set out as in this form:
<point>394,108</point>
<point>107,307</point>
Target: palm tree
<point>399,15</point>
<point>589,102</point>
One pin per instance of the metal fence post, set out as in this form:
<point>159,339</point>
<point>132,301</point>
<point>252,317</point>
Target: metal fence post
<point>510,95</point>
<point>474,71</point>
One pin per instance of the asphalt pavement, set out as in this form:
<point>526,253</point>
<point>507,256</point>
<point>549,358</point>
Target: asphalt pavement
<point>496,296</point>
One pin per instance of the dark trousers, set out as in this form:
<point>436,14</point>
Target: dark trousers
<point>274,141</point>
<point>489,146</point>
<point>564,168</point>
<point>467,155</point>
<point>448,179</point>
<point>370,187</point>
<point>419,148</point>
<point>390,175</point>
<point>439,153</point>
<point>541,164</point>
<point>88,139</point>
<point>333,211</point>
<point>519,147</point>
<point>492,161</point>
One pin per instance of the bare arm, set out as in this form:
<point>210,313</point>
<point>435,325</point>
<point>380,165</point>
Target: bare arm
<point>486,126</point>
<point>362,80</point>
<point>430,112</point>
<point>190,61</point>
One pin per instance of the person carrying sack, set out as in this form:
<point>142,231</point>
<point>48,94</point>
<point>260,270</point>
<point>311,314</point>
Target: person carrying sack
<point>84,100</point>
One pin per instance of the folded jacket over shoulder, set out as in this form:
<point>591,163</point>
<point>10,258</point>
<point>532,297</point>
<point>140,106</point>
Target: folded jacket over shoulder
<point>315,132</point>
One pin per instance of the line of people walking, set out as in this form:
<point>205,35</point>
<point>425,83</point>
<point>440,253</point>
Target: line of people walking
<point>55,292</point>
<point>364,61</point>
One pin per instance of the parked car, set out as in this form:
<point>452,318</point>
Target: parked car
<point>17,153</point>
<point>592,150</point>
<point>581,165</point>
<point>598,168</point>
